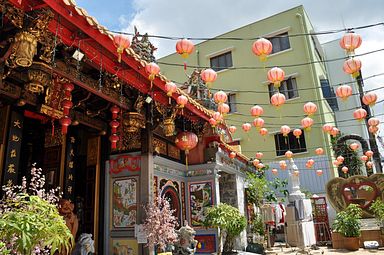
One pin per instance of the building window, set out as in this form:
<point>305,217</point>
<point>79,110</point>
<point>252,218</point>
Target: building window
<point>221,62</point>
<point>290,142</point>
<point>232,102</point>
<point>280,42</point>
<point>329,94</point>
<point>287,87</point>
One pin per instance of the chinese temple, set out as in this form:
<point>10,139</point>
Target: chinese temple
<point>103,129</point>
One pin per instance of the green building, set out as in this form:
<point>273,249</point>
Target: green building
<point>244,77</point>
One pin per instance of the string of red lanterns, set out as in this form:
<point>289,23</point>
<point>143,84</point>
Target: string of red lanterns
<point>114,124</point>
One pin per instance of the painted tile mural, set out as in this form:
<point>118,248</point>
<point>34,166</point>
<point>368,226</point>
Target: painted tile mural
<point>124,202</point>
<point>200,198</point>
<point>124,247</point>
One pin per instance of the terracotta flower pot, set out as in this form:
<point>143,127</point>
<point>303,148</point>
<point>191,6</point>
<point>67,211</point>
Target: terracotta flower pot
<point>351,243</point>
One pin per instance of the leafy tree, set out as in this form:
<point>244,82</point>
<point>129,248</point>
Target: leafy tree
<point>347,221</point>
<point>377,208</point>
<point>230,222</point>
<point>30,222</point>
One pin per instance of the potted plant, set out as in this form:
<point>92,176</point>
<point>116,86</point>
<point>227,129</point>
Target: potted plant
<point>377,207</point>
<point>230,223</point>
<point>347,223</point>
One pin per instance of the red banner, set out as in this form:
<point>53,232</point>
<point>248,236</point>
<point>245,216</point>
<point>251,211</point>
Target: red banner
<point>127,162</point>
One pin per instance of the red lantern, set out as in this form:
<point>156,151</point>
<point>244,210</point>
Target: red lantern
<point>260,166</point>
<point>319,172</point>
<point>184,47</point>
<point>364,158</point>
<point>170,88</point>
<point>232,155</point>
<point>285,130</point>
<point>223,108</point>
<point>256,111</point>
<point>114,139</point>
<point>360,114</point>
<point>114,125</point>
<point>334,132</point>
<point>310,163</point>
<point>213,122</point>
<point>208,76</point>
<point>182,101</point>
<point>217,116</point>
<point>373,129</point>
<point>336,163</point>
<point>259,155</point>
<point>67,105</point>
<point>122,42</point>
<point>152,70</point>
<point>307,123</point>
<point>369,154</point>
<point>246,127</point>
<point>369,164</point>
<point>114,110</point>
<point>283,164</point>
<point>232,129</point>
<point>220,97</point>
<point>258,123</point>
<point>344,169</point>
<point>274,171</point>
<point>352,66</point>
<point>297,133</point>
<point>263,131</point>
<point>373,121</point>
<point>319,151</point>
<point>344,91</point>
<point>255,162</point>
<point>262,48</point>
<point>327,128</point>
<point>186,141</point>
<point>65,122</point>
<point>350,42</point>
<point>68,88</point>
<point>277,99</point>
<point>370,99</point>
<point>340,159</point>
<point>289,154</point>
<point>354,146</point>
<point>276,76</point>
<point>310,108</point>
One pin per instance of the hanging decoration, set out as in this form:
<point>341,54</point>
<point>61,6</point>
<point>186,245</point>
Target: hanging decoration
<point>288,154</point>
<point>65,121</point>
<point>212,122</point>
<point>181,102</point>
<point>354,146</point>
<point>310,108</point>
<point>152,70</point>
<point>319,172</point>
<point>277,99</point>
<point>373,121</point>
<point>369,154</point>
<point>344,92</point>
<point>170,88</point>
<point>335,131</point>
<point>352,66</point>
<point>276,76</point>
<point>344,169</point>
<point>307,123</point>
<point>283,164</point>
<point>263,132</point>
<point>122,43</point>
<point>297,133</point>
<point>364,158</point>
<point>262,48</point>
<point>274,171</point>
<point>258,123</point>
<point>350,41</point>
<point>209,77</point>
<point>260,166</point>
<point>114,124</point>
<point>255,162</point>
<point>223,108</point>
<point>310,163</point>
<point>217,117</point>
<point>220,97</point>
<point>66,104</point>
<point>232,155</point>
<point>360,114</point>
<point>327,128</point>
<point>259,155</point>
<point>186,141</point>
<point>369,164</point>
<point>340,159</point>
<point>232,129</point>
<point>257,111</point>
<point>246,127</point>
<point>373,129</point>
<point>285,130</point>
<point>184,47</point>
<point>319,151</point>
<point>336,163</point>
<point>370,99</point>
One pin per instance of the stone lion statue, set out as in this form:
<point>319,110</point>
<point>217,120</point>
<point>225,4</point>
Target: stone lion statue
<point>85,245</point>
<point>186,243</point>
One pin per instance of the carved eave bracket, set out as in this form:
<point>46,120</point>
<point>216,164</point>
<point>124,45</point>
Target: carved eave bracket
<point>15,15</point>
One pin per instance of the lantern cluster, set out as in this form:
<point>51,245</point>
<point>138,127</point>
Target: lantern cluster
<point>373,125</point>
<point>66,104</point>
<point>351,41</point>
<point>331,130</point>
<point>368,159</point>
<point>114,124</point>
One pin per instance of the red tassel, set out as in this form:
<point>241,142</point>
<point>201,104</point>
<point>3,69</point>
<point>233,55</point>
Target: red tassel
<point>53,128</point>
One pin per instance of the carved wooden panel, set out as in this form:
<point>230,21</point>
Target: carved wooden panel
<point>173,152</point>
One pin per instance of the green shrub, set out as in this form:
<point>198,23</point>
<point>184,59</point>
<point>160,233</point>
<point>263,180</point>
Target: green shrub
<point>347,222</point>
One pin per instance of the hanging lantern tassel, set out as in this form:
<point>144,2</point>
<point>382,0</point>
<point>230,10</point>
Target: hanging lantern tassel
<point>186,159</point>
<point>53,128</point>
